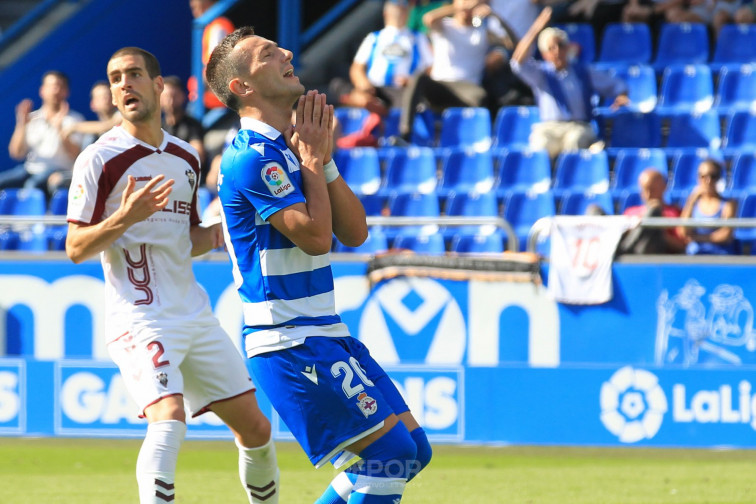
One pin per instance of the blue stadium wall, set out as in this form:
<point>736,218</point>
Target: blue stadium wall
<point>669,361</point>
<point>82,45</point>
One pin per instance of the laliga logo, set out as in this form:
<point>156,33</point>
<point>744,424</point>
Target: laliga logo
<point>632,404</point>
<point>273,176</point>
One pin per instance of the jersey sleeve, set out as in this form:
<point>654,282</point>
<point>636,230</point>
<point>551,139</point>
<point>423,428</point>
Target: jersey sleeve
<point>264,180</point>
<point>366,48</point>
<point>85,203</point>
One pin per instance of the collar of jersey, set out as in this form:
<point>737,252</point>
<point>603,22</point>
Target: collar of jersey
<point>248,123</point>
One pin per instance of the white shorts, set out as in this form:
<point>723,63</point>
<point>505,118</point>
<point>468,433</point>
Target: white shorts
<point>201,363</point>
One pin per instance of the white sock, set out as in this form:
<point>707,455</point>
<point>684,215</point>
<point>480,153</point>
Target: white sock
<point>258,471</point>
<point>156,464</point>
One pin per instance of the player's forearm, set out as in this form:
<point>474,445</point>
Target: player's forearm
<point>317,230</point>
<point>83,242</point>
<point>349,224</point>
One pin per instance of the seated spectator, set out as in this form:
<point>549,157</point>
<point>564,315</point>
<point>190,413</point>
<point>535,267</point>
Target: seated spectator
<point>726,12</point>
<point>212,35</point>
<point>647,240</point>
<point>745,14</point>
<point>101,103</point>
<point>563,90</point>
<point>706,202</point>
<point>461,35</point>
<point>175,119</point>
<point>597,13</point>
<point>381,69</point>
<point>38,137</point>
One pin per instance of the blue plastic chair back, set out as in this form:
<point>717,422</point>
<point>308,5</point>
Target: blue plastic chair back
<point>682,43</point>
<point>414,205</point>
<point>581,171</point>
<point>746,209</point>
<point>466,127</point>
<point>376,242</point>
<point>743,179</point>
<point>626,43</point>
<point>583,36</point>
<point>736,89</point>
<point>521,210</point>
<point>350,118</point>
<point>360,169</point>
<point>478,243</point>
<point>421,243</point>
<point>736,44</point>
<point>513,124</point>
<point>686,88</point>
<point>466,170</point>
<point>641,86</point>
<point>576,203</point>
<point>410,170</point>
<point>31,201</point>
<point>695,130</point>
<point>741,131</point>
<point>629,165</point>
<point>635,129</point>
<point>522,170</point>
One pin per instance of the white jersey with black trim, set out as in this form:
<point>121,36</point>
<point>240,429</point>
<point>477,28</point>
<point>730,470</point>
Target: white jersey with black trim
<point>148,270</point>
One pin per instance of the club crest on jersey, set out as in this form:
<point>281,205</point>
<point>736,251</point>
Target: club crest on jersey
<point>367,404</point>
<point>277,180</point>
<point>162,378</point>
<point>190,175</point>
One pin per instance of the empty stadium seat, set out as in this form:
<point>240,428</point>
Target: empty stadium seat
<point>584,39</point>
<point>740,132</point>
<point>581,171</point>
<point>625,44</point>
<point>577,203</point>
<point>350,118</point>
<point>466,127</point>
<point>686,88</point>
<point>735,45</point>
<point>628,166</point>
<point>686,43</point>
<point>466,170</point>
<point>746,209</point>
<point>521,210</point>
<point>479,243</point>
<point>641,88</point>
<point>30,201</point>
<point>423,242</point>
<point>360,169</point>
<point>56,235</point>
<point>513,124</point>
<point>743,179</point>
<point>634,129</point>
<point>411,169</point>
<point>23,202</point>
<point>736,89</point>
<point>627,200</point>
<point>695,130</point>
<point>522,170</point>
<point>373,203</point>
<point>423,127</point>
<point>473,204</point>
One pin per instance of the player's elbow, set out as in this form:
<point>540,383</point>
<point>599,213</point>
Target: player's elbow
<point>354,239</point>
<point>316,247</point>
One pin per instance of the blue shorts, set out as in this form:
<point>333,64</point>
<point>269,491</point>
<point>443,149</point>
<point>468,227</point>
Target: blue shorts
<point>329,391</point>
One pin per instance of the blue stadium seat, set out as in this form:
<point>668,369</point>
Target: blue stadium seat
<point>350,118</point>
<point>684,174</point>
<point>522,170</point>
<point>686,88</point>
<point>30,201</point>
<point>576,203</point>
<point>412,205</point>
<point>375,243</point>
<point>56,235</point>
<point>625,44</point>
<point>466,170</point>
<point>736,89</point>
<point>743,179</point>
<point>521,210</point>
<point>746,209</point>
<point>409,170</point>
<point>423,127</point>
<point>473,204</point>
<point>634,129</point>
<point>466,127</point>
<point>424,242</point>
<point>642,89</point>
<point>686,43</point>
<point>628,200</point>
<point>581,171</point>
<point>483,242</point>
<point>24,202</point>
<point>513,124</point>
<point>59,202</point>
<point>628,166</point>
<point>33,239</point>
<point>584,39</point>
<point>373,203</point>
<point>695,130</point>
<point>735,46</point>
<point>360,169</point>
<point>740,132</point>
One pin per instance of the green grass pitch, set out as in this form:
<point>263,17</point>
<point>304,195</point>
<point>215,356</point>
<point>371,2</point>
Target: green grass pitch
<point>101,471</point>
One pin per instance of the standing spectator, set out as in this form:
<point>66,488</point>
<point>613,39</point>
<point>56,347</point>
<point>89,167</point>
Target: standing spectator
<point>706,202</point>
<point>38,136</point>
<point>649,240</point>
<point>461,35</point>
<point>418,8</point>
<point>563,90</point>
<point>211,37</point>
<point>382,68</point>
<point>135,206</point>
<point>177,122</point>
<point>283,201</point>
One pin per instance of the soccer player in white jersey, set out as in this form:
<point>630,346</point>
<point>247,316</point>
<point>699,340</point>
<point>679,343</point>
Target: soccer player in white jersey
<point>282,202</point>
<point>133,200</point>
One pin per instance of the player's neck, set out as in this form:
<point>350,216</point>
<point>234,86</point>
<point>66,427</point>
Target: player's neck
<point>148,132</point>
<point>278,118</point>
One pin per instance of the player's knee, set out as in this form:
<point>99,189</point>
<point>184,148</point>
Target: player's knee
<point>424,452</point>
<point>255,432</point>
<point>393,455</point>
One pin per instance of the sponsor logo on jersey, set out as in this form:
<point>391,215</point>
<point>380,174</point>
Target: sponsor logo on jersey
<point>367,404</point>
<point>78,192</point>
<point>277,180</point>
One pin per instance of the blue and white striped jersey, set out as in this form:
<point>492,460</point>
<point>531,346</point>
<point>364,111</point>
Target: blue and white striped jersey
<point>393,53</point>
<point>287,295</point>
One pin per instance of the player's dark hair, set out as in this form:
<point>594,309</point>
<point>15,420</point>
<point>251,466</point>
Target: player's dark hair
<point>223,66</point>
<point>151,63</point>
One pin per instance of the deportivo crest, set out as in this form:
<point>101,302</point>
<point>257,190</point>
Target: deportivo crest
<point>162,378</point>
<point>191,177</point>
<point>277,180</point>
<point>367,404</point>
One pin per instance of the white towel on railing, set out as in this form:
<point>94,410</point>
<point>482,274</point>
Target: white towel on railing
<point>580,261</point>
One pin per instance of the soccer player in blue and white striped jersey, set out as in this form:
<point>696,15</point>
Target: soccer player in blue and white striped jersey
<point>282,202</point>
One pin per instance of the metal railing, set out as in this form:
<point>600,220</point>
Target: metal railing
<point>544,224</point>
